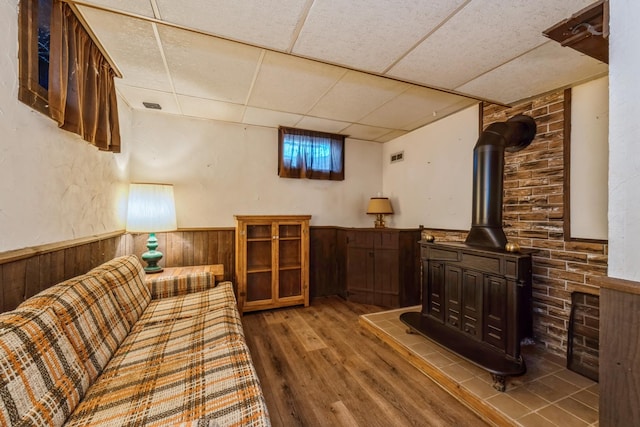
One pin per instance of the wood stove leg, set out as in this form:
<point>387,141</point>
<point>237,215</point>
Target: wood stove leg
<point>499,382</point>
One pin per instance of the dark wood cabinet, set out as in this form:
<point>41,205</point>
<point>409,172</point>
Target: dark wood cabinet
<point>382,267</point>
<point>477,303</point>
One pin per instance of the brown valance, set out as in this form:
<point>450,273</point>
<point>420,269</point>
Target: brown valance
<point>82,96</point>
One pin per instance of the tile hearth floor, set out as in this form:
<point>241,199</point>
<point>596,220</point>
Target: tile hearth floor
<point>547,395</point>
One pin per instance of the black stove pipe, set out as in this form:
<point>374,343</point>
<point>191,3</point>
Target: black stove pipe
<point>488,168</point>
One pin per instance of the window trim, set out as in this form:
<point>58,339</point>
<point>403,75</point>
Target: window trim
<point>30,92</point>
<point>332,139</point>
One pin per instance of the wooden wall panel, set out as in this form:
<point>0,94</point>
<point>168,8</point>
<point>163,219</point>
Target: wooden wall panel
<point>326,262</point>
<point>26,272</point>
<point>192,247</point>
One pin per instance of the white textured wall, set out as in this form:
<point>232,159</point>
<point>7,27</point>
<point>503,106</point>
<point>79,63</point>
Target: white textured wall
<point>624,140</point>
<point>221,169</point>
<point>433,185</point>
<point>590,159</point>
<point>53,185</point>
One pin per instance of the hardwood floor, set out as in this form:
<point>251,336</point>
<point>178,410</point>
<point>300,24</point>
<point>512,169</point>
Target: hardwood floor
<point>318,367</point>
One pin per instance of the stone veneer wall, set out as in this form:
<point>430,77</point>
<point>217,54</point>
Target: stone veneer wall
<point>533,216</point>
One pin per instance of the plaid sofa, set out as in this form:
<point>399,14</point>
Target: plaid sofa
<point>109,349</point>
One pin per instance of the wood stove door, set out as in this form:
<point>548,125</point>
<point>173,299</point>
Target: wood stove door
<point>495,311</point>
<point>472,288</point>
<point>433,289</point>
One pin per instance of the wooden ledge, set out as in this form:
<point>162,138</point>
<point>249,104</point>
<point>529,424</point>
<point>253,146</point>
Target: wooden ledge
<point>621,285</point>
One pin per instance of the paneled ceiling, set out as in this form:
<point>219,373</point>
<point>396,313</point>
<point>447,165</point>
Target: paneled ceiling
<point>370,69</point>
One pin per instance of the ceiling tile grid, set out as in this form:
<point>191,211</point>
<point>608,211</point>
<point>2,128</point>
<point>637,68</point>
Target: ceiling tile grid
<point>368,69</point>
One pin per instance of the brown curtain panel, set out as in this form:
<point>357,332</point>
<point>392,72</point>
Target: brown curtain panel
<point>82,96</point>
<point>310,154</point>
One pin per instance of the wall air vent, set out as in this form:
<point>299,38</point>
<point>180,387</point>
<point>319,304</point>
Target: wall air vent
<point>397,157</point>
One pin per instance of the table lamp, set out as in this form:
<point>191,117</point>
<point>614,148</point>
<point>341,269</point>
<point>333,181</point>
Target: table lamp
<point>379,206</point>
<point>151,209</point>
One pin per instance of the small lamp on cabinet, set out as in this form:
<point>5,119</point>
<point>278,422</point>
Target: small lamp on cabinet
<point>379,206</point>
<point>151,209</point>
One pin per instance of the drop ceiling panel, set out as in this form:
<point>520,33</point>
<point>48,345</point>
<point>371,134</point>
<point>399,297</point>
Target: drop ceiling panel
<point>270,118</point>
<point>141,61</point>
<point>266,23</point>
<point>138,7</point>
<point>483,35</point>
<point>417,104</point>
<point>291,84</point>
<point>356,95</point>
<point>356,34</point>
<point>391,135</point>
<point>210,109</point>
<point>367,133</point>
<point>544,69</point>
<point>135,96</point>
<point>322,125</point>
<point>209,67</point>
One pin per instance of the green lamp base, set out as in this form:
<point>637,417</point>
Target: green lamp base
<point>152,256</point>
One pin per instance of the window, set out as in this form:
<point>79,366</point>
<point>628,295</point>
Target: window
<point>34,38</point>
<point>64,75</point>
<point>310,154</point>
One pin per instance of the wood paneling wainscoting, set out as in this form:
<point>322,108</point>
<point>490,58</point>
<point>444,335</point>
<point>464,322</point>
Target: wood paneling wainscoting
<point>25,272</point>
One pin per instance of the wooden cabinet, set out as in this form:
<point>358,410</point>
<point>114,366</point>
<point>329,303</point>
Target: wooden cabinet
<point>477,302</point>
<point>272,261</point>
<point>382,267</point>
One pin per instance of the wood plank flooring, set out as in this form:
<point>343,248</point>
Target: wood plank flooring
<point>319,367</point>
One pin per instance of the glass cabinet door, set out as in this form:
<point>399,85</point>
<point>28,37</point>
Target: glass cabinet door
<point>290,260</point>
<point>259,262</point>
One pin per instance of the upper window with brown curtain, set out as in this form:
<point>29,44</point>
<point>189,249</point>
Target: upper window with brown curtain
<point>64,75</point>
<point>310,154</point>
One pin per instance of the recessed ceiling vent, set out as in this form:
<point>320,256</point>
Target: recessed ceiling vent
<point>152,105</point>
<point>397,157</point>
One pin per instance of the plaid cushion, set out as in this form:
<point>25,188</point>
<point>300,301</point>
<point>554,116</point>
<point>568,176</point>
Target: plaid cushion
<point>163,287</point>
<point>189,305</point>
<point>153,343</point>
<point>209,385</point>
<point>41,377</point>
<point>90,316</point>
<point>126,278</point>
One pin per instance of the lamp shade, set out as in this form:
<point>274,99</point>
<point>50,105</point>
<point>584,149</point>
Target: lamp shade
<point>151,208</point>
<point>380,205</point>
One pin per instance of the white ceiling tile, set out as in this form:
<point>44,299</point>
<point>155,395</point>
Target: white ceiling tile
<point>367,133</point>
<point>322,125</point>
<point>483,35</point>
<point>291,84</point>
<point>414,105</point>
<point>368,37</point>
<point>209,67</point>
<point>210,109</point>
<point>135,96</point>
<point>140,62</point>
<point>391,136</point>
<point>356,95</point>
<point>542,70</point>
<point>138,7</point>
<point>266,23</point>
<point>270,118</point>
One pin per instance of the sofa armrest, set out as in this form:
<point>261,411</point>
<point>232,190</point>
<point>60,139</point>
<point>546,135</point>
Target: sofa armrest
<point>182,284</point>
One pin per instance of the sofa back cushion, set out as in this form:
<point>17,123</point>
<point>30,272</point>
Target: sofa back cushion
<point>91,318</point>
<point>41,376</point>
<point>125,277</point>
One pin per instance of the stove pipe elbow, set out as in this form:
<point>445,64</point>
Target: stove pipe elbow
<point>488,168</point>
